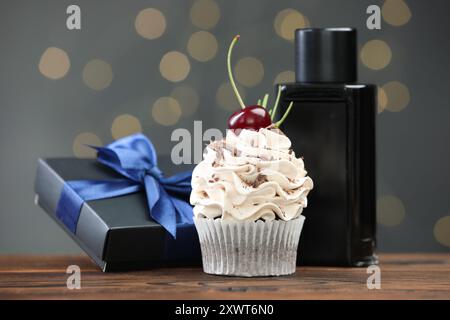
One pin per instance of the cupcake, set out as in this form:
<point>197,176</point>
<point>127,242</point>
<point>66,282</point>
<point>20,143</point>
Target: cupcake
<point>248,193</point>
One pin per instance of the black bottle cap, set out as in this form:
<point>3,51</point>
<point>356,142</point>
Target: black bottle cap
<point>326,55</point>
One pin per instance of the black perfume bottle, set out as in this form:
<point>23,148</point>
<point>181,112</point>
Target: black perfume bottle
<point>332,125</point>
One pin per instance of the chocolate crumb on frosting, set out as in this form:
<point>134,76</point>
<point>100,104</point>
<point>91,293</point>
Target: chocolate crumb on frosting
<point>260,179</point>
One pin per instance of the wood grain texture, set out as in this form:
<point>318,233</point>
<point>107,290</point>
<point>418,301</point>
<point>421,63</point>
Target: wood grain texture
<point>403,276</point>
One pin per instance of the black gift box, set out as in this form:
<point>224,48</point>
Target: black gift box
<point>117,233</point>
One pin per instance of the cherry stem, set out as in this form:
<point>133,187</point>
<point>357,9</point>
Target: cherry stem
<point>265,99</point>
<point>285,115</point>
<point>275,106</point>
<point>230,73</point>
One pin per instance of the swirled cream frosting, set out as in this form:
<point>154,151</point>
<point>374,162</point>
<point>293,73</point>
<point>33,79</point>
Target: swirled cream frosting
<point>249,176</point>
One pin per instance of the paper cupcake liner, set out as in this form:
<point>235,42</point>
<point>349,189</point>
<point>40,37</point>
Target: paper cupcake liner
<point>249,248</point>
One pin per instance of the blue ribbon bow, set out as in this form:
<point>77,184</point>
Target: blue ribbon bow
<point>134,157</point>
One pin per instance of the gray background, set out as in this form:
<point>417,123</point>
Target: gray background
<point>40,117</point>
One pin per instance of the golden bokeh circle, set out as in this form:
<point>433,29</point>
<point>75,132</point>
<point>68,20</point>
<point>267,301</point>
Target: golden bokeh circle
<point>376,54</point>
<point>125,125</point>
<point>390,211</point>
<point>166,111</point>
<point>382,100</point>
<point>150,23</point>
<point>397,94</point>
<point>80,148</point>
<point>202,46</point>
<point>97,74</point>
<point>249,71</point>
<point>174,66</point>
<point>287,20</point>
<point>226,98</point>
<point>285,77</point>
<point>441,231</point>
<point>187,98</point>
<point>54,63</point>
<point>204,14</point>
<point>396,12</point>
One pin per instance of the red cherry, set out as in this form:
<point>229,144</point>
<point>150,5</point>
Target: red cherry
<point>252,117</point>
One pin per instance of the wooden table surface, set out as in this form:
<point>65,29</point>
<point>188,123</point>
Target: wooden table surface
<point>403,276</point>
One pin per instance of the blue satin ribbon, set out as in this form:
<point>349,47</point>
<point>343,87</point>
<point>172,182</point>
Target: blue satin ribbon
<point>134,157</point>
